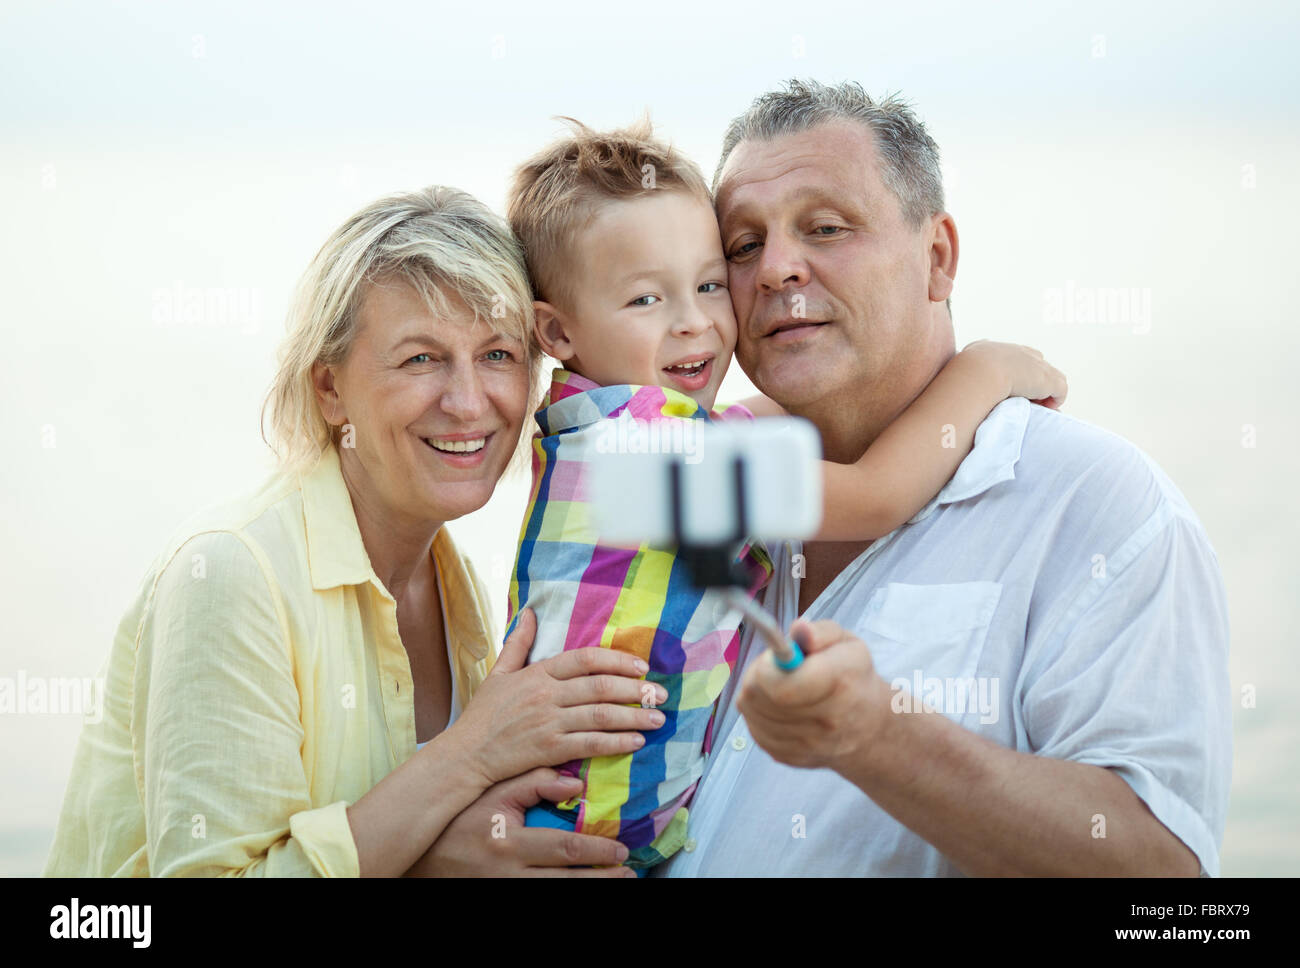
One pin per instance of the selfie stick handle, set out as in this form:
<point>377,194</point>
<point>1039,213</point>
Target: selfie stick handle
<point>712,567</point>
<point>785,651</point>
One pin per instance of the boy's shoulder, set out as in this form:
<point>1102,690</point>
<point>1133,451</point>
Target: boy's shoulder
<point>732,411</point>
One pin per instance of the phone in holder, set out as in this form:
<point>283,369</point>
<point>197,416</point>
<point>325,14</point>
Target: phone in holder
<point>696,483</point>
<point>705,487</point>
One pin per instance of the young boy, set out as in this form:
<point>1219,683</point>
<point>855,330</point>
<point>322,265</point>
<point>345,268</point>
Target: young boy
<point>630,280</point>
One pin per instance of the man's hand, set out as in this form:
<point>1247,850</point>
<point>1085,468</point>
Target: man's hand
<point>489,839</point>
<point>992,811</point>
<point>828,712</point>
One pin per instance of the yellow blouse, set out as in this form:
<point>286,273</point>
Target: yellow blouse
<point>256,688</point>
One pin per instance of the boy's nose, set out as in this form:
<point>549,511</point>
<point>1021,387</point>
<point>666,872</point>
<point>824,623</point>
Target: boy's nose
<point>692,322</point>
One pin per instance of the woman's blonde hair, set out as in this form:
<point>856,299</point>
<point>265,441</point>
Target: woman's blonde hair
<point>440,241</point>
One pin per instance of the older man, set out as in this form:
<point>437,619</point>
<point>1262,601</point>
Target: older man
<point>1043,687</point>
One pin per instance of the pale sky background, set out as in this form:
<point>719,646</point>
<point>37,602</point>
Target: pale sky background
<point>146,148</point>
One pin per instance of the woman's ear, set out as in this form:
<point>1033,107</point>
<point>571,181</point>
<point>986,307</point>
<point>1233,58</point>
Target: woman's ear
<point>331,405</point>
<point>552,331</point>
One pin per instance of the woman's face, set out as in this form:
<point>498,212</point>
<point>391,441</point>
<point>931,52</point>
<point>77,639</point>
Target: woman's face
<point>435,406</point>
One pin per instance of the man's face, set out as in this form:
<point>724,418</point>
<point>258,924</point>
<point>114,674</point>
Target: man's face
<point>830,285</point>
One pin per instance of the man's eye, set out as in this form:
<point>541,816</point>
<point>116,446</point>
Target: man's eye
<point>833,228</point>
<point>640,301</point>
<point>420,358</point>
<point>711,287</point>
<point>743,250</point>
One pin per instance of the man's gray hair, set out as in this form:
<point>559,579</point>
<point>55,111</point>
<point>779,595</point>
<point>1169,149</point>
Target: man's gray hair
<point>908,155</point>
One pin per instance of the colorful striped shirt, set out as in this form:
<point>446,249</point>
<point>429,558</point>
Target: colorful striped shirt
<point>638,600</point>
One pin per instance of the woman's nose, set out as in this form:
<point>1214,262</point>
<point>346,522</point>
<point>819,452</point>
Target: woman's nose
<point>463,396</point>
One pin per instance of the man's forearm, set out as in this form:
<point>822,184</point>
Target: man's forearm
<point>995,812</point>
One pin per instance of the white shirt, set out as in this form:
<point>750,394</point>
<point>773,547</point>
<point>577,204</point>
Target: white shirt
<point>1065,581</point>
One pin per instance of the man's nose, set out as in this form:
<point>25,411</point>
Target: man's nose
<point>463,396</point>
<point>781,264</point>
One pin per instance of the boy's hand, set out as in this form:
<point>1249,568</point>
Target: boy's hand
<point>1025,371</point>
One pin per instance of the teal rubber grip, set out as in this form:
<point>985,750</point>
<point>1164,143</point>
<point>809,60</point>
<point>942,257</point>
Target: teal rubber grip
<point>796,657</point>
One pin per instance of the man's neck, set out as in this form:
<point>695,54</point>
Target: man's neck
<point>847,429</point>
<point>849,426</point>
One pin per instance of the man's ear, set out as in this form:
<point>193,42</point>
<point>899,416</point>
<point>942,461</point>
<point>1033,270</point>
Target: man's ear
<point>331,404</point>
<point>943,256</point>
<point>552,331</point>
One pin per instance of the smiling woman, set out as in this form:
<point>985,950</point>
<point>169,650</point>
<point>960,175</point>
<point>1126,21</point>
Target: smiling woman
<point>284,696</point>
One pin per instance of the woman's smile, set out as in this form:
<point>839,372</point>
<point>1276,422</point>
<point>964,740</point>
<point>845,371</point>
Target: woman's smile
<point>461,450</point>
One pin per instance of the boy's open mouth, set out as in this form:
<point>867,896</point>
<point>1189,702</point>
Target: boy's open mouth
<point>692,373</point>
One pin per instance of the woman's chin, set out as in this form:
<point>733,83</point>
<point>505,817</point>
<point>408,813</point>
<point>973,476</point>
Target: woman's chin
<point>452,499</point>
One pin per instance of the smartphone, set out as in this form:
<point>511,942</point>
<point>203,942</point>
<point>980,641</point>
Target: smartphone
<point>702,484</point>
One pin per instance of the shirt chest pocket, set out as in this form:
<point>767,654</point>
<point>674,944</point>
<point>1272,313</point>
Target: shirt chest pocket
<point>928,639</point>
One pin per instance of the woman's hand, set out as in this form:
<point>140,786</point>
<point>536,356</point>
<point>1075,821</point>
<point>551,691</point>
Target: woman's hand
<point>1027,374</point>
<point>489,839</point>
<point>568,707</point>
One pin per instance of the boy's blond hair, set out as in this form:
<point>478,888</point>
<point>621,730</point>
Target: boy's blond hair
<point>557,192</point>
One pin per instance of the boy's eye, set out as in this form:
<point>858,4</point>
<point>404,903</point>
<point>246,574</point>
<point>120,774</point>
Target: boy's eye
<point>640,301</point>
<point>711,287</point>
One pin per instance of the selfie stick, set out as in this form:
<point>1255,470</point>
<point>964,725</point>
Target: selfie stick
<point>714,566</point>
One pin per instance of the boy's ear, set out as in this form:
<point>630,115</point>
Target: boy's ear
<point>550,327</point>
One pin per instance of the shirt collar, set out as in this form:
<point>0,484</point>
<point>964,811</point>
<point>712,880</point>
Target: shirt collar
<point>336,555</point>
<point>574,401</point>
<point>992,459</point>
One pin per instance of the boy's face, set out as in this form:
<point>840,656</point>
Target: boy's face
<point>649,294</point>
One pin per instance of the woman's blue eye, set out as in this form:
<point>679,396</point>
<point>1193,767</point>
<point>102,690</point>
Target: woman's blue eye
<point>505,355</point>
<point>637,301</point>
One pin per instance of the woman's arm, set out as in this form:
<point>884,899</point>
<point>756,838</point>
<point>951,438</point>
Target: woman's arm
<point>217,731</point>
<point>917,454</point>
<point>218,739</point>
<point>568,707</point>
